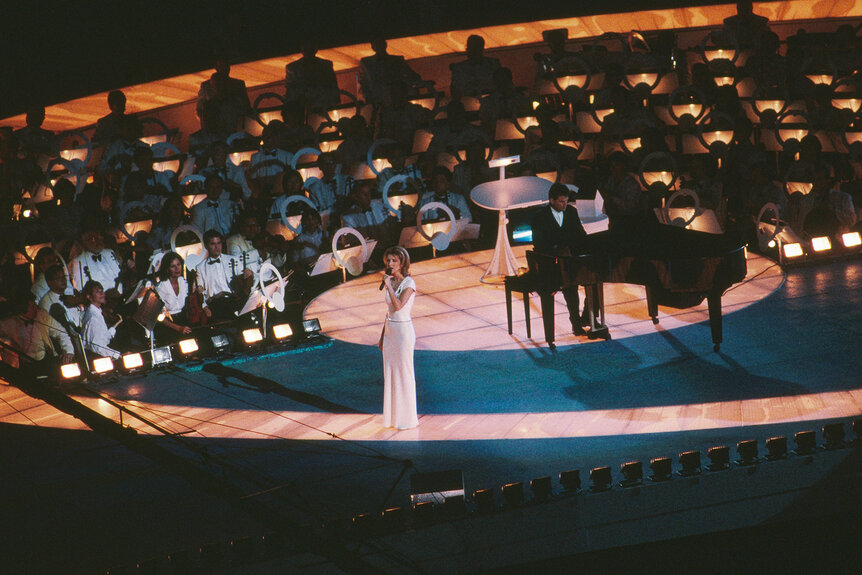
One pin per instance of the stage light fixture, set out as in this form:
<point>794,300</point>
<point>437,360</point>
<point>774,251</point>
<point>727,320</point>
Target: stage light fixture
<point>833,435</point>
<point>806,442</point>
<point>690,463</point>
<point>484,500</point>
<point>571,480</point>
<point>282,331</point>
<point>719,458</point>
<point>600,477</point>
<point>252,336</point>
<point>70,370</point>
<point>393,519</point>
<point>513,494</point>
<point>793,250</point>
<point>821,244</point>
<point>103,365</point>
<point>311,326</point>
<point>454,507</point>
<point>747,451</point>
<point>162,356</point>
<point>541,488</point>
<point>633,474</point>
<point>661,469</point>
<point>851,239</point>
<point>220,343</point>
<point>423,514</point>
<point>776,448</point>
<point>188,346</point>
<point>132,361</point>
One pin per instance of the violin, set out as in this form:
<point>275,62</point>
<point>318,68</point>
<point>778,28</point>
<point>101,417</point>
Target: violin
<point>195,302</point>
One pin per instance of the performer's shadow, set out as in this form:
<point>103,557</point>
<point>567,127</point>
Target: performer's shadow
<point>232,377</point>
<point>612,374</point>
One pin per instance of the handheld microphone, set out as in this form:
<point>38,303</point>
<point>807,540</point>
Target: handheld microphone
<point>383,281</point>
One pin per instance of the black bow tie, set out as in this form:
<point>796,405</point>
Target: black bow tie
<point>212,204</point>
<point>213,260</point>
<point>96,257</point>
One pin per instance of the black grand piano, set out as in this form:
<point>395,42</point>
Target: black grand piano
<point>678,268</point>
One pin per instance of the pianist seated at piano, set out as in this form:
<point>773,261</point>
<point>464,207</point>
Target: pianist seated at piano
<point>216,275</point>
<point>441,191</point>
<point>557,231</point>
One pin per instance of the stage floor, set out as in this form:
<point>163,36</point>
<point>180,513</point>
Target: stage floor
<point>306,425</point>
<point>454,311</point>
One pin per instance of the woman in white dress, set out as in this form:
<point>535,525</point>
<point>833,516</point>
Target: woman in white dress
<point>397,342</point>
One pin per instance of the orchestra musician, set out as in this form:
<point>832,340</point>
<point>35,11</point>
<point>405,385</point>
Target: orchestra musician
<point>557,230</point>
<point>215,276</point>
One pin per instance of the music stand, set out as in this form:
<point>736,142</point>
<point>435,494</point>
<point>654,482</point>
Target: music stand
<point>504,195</point>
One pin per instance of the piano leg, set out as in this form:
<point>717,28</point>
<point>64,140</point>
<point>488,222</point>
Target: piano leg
<point>652,305</point>
<point>527,315</point>
<point>595,302</point>
<point>547,301</point>
<point>714,302</point>
<point>509,309</point>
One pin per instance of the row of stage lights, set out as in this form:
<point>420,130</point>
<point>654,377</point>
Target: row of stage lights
<point>213,345</point>
<point>794,251</point>
<point>453,504</point>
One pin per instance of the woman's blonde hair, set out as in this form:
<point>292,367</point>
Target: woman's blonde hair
<point>402,256</point>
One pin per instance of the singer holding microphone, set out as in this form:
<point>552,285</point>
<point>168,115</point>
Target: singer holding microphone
<point>397,341</point>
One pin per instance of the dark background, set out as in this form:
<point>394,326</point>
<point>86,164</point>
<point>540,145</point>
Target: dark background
<point>58,50</point>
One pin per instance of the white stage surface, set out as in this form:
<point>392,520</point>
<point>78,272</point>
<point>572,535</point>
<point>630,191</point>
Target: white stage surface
<point>455,312</point>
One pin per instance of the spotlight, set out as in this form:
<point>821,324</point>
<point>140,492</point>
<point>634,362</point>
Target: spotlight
<point>162,356</point>
<point>423,514</point>
<point>833,434</point>
<point>454,507</point>
<point>571,480</point>
<point>776,448</point>
<point>851,239</point>
<point>513,494</point>
<point>484,500</point>
<point>70,370</point>
<point>793,250</point>
<point>311,327</point>
<point>541,488</point>
<point>690,462</point>
<point>252,336</point>
<point>103,365</point>
<point>368,523</point>
<point>805,442</point>
<point>600,478</point>
<point>719,458</point>
<point>282,331</point>
<point>661,469</point>
<point>188,346</point>
<point>633,474</point>
<point>220,343</point>
<point>393,518</point>
<point>821,244</point>
<point>132,361</point>
<point>747,452</point>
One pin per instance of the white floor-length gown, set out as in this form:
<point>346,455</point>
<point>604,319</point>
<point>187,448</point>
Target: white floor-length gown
<point>399,383</point>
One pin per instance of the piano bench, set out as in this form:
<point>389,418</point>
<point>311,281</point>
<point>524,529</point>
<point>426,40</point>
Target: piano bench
<point>524,285</point>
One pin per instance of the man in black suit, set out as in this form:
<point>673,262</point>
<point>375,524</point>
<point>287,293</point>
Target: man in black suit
<point>557,230</point>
